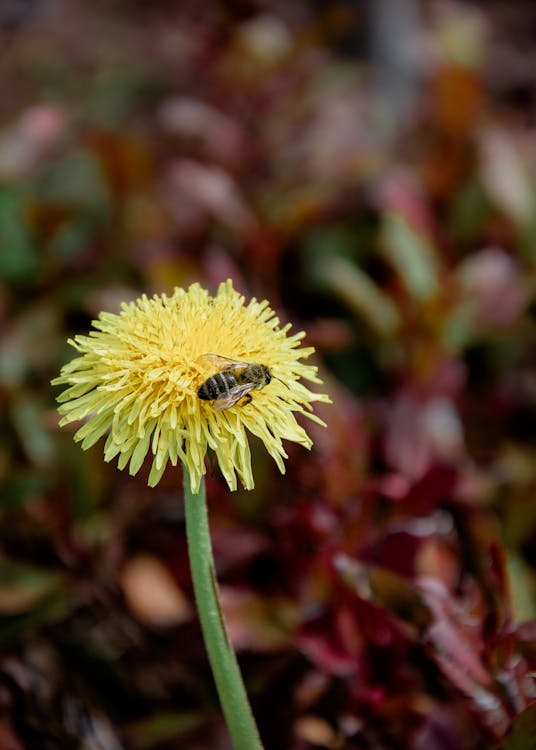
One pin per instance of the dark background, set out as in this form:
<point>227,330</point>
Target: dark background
<point>368,167</point>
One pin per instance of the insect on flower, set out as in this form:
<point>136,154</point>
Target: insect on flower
<point>141,380</point>
<point>233,381</point>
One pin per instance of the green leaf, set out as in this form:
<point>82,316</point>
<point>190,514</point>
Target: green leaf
<point>18,259</point>
<point>23,587</point>
<point>412,255</point>
<point>162,727</point>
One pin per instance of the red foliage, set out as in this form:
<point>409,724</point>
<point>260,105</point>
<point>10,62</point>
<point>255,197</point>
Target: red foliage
<point>372,176</point>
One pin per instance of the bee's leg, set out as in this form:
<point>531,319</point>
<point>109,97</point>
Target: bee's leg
<point>246,400</point>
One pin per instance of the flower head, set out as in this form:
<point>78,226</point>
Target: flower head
<point>139,372</point>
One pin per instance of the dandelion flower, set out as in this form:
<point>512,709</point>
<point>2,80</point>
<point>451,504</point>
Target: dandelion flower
<point>139,372</point>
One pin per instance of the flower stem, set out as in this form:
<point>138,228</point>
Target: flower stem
<point>231,691</point>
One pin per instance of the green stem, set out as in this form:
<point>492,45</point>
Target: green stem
<point>233,697</point>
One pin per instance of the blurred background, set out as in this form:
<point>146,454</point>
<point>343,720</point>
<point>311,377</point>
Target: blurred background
<point>368,167</point>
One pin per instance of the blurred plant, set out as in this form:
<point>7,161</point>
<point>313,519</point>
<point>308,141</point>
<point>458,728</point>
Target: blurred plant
<point>382,595</point>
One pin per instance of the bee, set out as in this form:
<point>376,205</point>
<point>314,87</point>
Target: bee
<point>233,381</point>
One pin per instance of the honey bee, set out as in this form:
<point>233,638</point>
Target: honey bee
<point>233,381</point>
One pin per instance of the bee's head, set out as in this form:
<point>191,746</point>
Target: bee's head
<point>267,376</point>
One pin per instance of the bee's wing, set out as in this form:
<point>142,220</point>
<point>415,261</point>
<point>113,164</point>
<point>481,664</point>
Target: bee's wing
<point>233,396</point>
<point>224,363</point>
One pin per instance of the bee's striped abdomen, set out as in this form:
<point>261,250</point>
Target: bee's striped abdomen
<point>217,385</point>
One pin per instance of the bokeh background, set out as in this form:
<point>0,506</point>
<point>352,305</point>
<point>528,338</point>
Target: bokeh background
<point>368,167</point>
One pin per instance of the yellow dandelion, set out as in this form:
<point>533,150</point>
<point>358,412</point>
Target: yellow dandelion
<point>139,373</point>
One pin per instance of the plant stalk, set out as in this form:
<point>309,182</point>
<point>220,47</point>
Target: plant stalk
<point>225,669</point>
